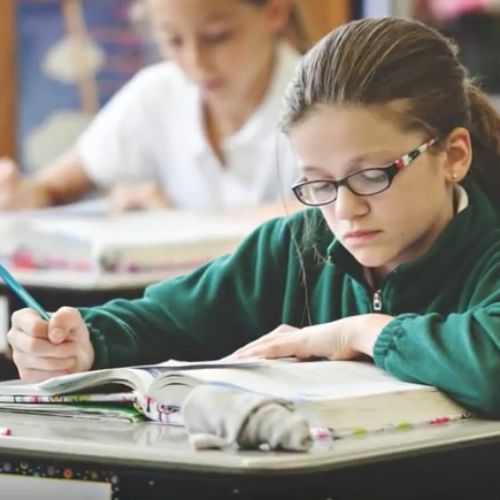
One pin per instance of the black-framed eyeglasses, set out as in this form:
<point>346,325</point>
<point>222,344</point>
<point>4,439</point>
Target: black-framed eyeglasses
<point>363,183</point>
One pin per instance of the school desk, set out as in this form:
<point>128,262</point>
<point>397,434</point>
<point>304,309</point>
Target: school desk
<point>104,460</point>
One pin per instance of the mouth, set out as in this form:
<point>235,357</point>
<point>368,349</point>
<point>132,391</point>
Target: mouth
<point>360,236</point>
<point>210,85</point>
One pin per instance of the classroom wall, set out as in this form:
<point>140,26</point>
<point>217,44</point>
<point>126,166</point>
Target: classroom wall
<point>7,78</point>
<point>320,16</point>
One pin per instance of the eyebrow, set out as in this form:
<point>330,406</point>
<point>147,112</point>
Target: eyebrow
<point>217,17</point>
<point>354,163</point>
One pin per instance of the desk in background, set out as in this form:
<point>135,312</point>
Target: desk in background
<point>152,461</point>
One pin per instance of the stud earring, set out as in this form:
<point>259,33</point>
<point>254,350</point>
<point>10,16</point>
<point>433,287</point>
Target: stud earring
<point>454,176</point>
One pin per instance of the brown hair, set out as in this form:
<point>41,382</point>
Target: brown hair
<point>374,61</point>
<point>294,31</point>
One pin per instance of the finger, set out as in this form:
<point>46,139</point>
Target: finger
<point>8,170</point>
<point>118,198</point>
<point>270,350</point>
<point>124,205</point>
<point>52,364</point>
<point>66,324</point>
<point>153,197</point>
<point>276,347</point>
<point>281,330</point>
<point>30,375</point>
<point>29,322</point>
<point>27,344</point>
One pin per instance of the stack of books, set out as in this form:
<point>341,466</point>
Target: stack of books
<point>136,242</point>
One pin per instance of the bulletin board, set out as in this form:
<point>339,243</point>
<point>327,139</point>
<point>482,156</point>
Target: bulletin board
<point>71,57</point>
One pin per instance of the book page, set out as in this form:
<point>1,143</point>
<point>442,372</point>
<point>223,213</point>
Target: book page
<point>138,377</point>
<point>174,364</point>
<point>309,380</point>
<point>77,382</point>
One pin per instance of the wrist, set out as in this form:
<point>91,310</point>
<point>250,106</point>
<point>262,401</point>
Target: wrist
<point>37,194</point>
<point>364,338</point>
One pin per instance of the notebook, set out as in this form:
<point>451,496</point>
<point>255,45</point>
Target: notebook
<point>348,396</point>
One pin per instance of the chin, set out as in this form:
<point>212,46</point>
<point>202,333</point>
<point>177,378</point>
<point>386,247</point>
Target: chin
<point>370,258</point>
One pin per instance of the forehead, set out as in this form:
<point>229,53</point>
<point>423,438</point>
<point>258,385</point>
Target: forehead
<point>354,126</point>
<point>182,11</point>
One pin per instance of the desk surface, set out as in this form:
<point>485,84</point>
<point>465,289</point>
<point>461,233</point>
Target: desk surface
<point>456,460</point>
<point>87,281</point>
<point>164,447</point>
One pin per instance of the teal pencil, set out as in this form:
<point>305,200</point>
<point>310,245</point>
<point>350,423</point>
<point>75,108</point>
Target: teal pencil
<point>22,293</point>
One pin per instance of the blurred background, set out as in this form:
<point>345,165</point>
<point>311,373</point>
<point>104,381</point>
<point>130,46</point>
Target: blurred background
<point>61,60</point>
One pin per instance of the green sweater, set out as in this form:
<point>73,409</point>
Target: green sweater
<point>446,305</point>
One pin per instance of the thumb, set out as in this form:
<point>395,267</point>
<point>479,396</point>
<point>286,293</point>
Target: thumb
<point>63,323</point>
<point>58,335</point>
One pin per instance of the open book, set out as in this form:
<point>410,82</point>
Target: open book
<point>348,396</point>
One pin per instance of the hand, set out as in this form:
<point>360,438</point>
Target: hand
<point>17,191</point>
<point>146,195</point>
<point>42,350</point>
<point>343,339</point>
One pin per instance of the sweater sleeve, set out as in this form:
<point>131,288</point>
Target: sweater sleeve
<point>459,352</point>
<point>203,315</point>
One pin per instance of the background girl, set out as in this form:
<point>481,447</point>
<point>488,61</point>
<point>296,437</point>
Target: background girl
<point>198,131</point>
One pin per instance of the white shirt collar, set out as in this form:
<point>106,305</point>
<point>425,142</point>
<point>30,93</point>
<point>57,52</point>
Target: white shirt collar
<point>461,198</point>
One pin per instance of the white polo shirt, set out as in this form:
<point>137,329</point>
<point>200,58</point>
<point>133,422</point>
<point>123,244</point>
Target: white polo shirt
<point>153,129</point>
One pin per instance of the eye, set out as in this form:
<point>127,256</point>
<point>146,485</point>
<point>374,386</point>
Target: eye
<point>320,186</point>
<point>216,37</point>
<point>372,175</point>
<point>171,42</point>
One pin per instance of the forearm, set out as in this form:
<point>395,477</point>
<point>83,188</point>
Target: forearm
<point>126,333</point>
<point>63,181</point>
<point>458,354</point>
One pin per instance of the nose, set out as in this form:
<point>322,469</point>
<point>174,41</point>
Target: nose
<point>196,58</point>
<point>348,205</point>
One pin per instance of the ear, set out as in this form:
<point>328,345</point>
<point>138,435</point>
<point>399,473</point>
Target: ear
<point>458,150</point>
<point>277,14</point>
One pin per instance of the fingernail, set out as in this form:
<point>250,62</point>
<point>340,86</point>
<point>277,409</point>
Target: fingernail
<point>56,335</point>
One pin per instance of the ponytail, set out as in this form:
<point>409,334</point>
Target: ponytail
<point>485,131</point>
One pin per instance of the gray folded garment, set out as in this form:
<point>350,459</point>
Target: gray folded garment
<point>219,416</point>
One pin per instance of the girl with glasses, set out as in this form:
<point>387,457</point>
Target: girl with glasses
<point>399,260</point>
<point>197,131</point>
